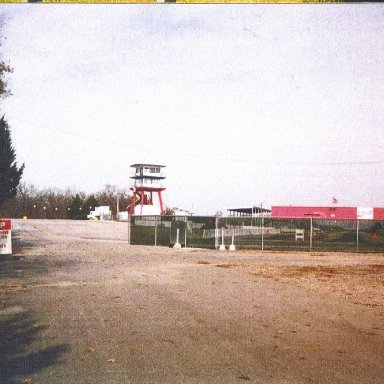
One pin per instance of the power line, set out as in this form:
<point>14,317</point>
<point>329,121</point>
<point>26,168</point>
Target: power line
<point>201,156</point>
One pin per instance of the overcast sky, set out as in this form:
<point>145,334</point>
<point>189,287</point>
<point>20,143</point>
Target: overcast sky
<point>279,104</point>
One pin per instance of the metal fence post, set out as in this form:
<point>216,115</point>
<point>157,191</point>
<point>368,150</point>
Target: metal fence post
<point>155,231</point>
<point>216,232</point>
<point>261,217</point>
<point>185,232</point>
<point>310,236</point>
<point>262,231</point>
<point>129,229</point>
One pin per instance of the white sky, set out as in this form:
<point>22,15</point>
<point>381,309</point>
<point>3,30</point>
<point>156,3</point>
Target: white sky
<point>243,103</point>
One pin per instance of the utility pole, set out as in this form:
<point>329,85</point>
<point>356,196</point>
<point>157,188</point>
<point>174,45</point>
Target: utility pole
<point>117,206</point>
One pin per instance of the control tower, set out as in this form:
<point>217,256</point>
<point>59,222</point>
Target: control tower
<point>148,183</point>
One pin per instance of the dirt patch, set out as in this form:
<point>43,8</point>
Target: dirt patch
<point>318,271</point>
<point>358,283</point>
<point>328,271</point>
<point>226,265</point>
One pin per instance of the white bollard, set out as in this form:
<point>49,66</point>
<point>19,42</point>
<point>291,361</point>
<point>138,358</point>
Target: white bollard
<point>177,244</point>
<point>232,246</point>
<point>222,246</point>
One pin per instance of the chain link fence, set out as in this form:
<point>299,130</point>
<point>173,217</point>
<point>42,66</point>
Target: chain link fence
<point>263,233</point>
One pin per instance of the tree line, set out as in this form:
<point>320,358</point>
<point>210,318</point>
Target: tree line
<point>20,199</point>
<point>10,172</point>
<point>53,203</point>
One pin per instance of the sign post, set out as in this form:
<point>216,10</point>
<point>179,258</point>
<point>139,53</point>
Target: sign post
<point>5,237</point>
<point>311,215</point>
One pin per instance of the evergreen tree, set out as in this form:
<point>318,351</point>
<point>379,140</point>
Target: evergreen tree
<point>10,174</point>
<point>4,69</point>
<point>89,204</point>
<point>76,208</point>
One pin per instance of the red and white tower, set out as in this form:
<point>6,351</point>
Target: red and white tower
<point>148,183</point>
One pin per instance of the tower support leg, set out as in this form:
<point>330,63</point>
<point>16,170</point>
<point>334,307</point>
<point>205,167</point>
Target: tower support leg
<point>132,207</point>
<point>161,203</point>
<point>142,203</point>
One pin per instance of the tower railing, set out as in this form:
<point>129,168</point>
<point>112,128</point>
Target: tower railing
<point>148,174</point>
<point>146,184</point>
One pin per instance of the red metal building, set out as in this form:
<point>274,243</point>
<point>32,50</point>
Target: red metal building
<point>378,213</point>
<point>331,213</point>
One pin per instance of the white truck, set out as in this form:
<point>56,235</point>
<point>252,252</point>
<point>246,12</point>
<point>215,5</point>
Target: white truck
<point>100,213</point>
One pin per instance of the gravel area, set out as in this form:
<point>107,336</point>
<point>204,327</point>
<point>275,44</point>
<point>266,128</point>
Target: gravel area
<point>79,305</point>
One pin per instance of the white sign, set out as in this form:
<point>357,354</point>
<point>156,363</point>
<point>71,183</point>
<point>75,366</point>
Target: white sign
<point>365,213</point>
<point>5,237</point>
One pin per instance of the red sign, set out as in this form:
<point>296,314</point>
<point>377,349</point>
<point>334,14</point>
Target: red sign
<point>5,225</point>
